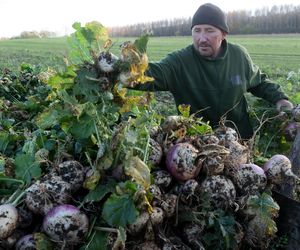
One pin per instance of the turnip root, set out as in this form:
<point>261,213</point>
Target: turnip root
<point>260,231</point>
<point>43,196</point>
<point>139,224</point>
<point>278,169</point>
<point>155,192</point>
<point>72,172</point>
<point>220,189</point>
<point>249,178</point>
<point>290,131</point>
<point>107,61</point>
<point>10,241</point>
<point>169,204</point>
<point>31,241</point>
<point>162,178</point>
<point>66,224</point>
<point>171,123</point>
<point>226,134</point>
<point>156,153</point>
<point>213,165</point>
<point>296,113</point>
<point>239,154</point>
<point>182,161</point>
<point>8,220</point>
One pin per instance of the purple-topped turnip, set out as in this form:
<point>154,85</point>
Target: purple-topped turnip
<point>249,178</point>
<point>32,241</point>
<point>66,224</point>
<point>182,161</point>
<point>8,220</point>
<point>278,169</point>
<point>156,153</point>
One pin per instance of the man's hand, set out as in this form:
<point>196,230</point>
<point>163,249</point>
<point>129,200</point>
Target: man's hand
<point>283,105</point>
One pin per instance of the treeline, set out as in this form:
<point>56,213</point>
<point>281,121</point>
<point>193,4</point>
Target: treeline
<point>277,19</point>
<point>35,34</point>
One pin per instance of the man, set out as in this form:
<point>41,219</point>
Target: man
<point>213,75</point>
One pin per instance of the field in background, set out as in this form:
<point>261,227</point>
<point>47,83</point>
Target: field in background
<point>275,54</point>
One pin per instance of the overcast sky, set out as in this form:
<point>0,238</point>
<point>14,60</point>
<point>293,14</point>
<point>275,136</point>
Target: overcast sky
<point>59,15</point>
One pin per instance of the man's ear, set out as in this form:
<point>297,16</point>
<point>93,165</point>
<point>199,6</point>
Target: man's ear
<point>224,34</point>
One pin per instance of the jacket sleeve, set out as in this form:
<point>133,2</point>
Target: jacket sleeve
<point>261,86</point>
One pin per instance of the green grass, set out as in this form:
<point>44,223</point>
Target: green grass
<point>276,54</point>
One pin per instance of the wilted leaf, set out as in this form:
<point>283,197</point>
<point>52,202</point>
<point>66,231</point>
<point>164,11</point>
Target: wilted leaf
<point>139,171</point>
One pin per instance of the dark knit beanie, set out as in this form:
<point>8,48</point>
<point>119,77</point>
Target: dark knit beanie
<point>212,15</point>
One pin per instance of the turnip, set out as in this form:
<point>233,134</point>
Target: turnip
<point>278,169</point>
<point>107,61</point>
<point>139,224</point>
<point>182,161</point>
<point>239,154</point>
<point>220,190</point>
<point>213,165</point>
<point>169,204</point>
<point>162,178</point>
<point>44,195</point>
<point>8,220</point>
<point>32,241</point>
<point>226,134</point>
<point>156,153</point>
<point>155,192</point>
<point>66,224</point>
<point>73,173</point>
<point>249,178</point>
<point>290,131</point>
<point>10,241</point>
<point>296,113</point>
<point>171,123</point>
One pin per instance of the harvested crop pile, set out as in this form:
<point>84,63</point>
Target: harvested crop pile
<point>97,168</point>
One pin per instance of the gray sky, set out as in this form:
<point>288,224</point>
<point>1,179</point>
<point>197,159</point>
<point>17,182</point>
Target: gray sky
<point>59,15</point>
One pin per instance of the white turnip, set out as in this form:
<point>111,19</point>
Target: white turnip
<point>162,178</point>
<point>139,224</point>
<point>249,178</point>
<point>220,190</point>
<point>66,224</point>
<point>8,220</point>
<point>73,173</point>
<point>226,134</point>
<point>238,154</point>
<point>156,153</point>
<point>44,195</point>
<point>278,169</point>
<point>182,161</point>
<point>107,61</point>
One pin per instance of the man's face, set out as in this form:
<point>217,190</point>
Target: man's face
<point>207,40</point>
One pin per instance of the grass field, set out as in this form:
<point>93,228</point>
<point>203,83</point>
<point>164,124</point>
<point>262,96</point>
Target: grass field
<point>275,54</point>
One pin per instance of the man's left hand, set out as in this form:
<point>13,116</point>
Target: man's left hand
<point>283,105</point>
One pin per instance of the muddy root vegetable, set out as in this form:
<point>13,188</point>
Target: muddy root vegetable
<point>278,169</point>
<point>139,224</point>
<point>162,178</point>
<point>239,154</point>
<point>66,223</point>
<point>290,131</point>
<point>182,162</point>
<point>226,134</point>
<point>8,220</point>
<point>72,172</point>
<point>32,241</point>
<point>43,196</point>
<point>249,178</point>
<point>10,241</point>
<point>107,61</point>
<point>296,113</point>
<point>169,204</point>
<point>156,153</point>
<point>220,190</point>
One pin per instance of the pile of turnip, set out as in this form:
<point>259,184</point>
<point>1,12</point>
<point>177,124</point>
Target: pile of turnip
<point>108,179</point>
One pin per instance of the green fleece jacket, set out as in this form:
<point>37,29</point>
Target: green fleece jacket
<point>214,87</point>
